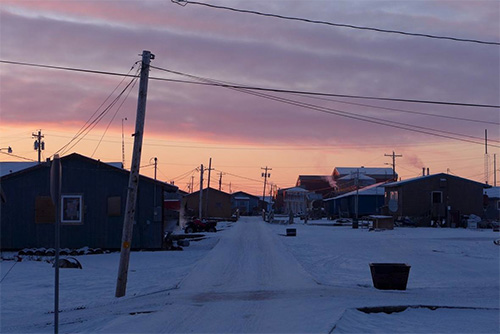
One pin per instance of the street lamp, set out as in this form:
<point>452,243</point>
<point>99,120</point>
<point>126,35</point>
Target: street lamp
<point>9,149</point>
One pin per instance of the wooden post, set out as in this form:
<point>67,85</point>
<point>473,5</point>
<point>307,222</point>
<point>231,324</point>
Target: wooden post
<point>208,187</point>
<point>128,223</point>
<point>200,206</point>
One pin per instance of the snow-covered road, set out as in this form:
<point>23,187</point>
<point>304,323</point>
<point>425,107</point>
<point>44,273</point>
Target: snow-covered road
<point>250,278</point>
<point>249,282</point>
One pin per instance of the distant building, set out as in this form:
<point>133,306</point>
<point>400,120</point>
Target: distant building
<point>435,198</point>
<point>215,203</point>
<point>295,200</point>
<point>92,207</point>
<point>245,203</point>
<point>370,201</point>
<point>348,178</point>
<point>320,184</point>
<point>492,203</point>
<point>380,174</point>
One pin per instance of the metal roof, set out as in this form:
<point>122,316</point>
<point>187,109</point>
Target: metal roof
<point>364,170</point>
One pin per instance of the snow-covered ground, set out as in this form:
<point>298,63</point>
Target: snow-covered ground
<point>250,277</point>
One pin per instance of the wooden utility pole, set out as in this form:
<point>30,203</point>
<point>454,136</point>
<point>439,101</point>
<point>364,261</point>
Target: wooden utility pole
<point>494,170</point>
<point>486,158</point>
<point>128,223</point>
<point>200,204</point>
<point>394,156</point>
<point>220,181</point>
<point>265,175</point>
<point>208,186</point>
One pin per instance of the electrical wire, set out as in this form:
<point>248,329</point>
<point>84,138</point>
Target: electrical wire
<point>332,111</point>
<point>116,112</point>
<point>342,25</point>
<point>88,126</point>
<point>402,110</point>
<point>241,177</point>
<point>448,103</point>
<point>18,156</point>
<point>82,129</point>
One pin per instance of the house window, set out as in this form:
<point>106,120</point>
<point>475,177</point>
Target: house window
<point>45,211</point>
<point>71,209</point>
<point>498,205</point>
<point>114,206</point>
<point>437,197</point>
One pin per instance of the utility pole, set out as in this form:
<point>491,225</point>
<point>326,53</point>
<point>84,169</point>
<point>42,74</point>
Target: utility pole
<point>156,166</point>
<point>155,213</point>
<point>486,158</point>
<point>208,186</point>
<point>39,144</point>
<point>192,184</point>
<point>123,144</point>
<point>265,175</point>
<point>220,181</point>
<point>394,156</point>
<point>494,170</point>
<point>133,183</point>
<point>200,205</point>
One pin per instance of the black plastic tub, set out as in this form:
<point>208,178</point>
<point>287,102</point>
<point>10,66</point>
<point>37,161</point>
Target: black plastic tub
<point>390,276</point>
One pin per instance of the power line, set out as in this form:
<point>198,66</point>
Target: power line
<point>448,103</point>
<point>345,114</point>
<point>241,177</point>
<point>342,25</point>
<point>116,112</point>
<point>17,156</point>
<point>90,124</point>
<point>403,110</point>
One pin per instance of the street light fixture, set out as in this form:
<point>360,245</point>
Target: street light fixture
<point>9,149</point>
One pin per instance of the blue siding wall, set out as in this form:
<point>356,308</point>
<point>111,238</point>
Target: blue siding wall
<point>96,182</point>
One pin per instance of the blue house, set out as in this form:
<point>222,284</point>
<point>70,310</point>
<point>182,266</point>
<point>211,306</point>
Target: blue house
<point>93,198</point>
<point>245,203</point>
<point>370,201</point>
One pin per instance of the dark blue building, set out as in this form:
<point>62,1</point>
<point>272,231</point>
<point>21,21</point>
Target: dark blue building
<point>93,199</point>
<point>370,202</point>
<point>246,204</point>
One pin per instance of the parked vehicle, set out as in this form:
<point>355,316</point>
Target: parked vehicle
<point>197,225</point>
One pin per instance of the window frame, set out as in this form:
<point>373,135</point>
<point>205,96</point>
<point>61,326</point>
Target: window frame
<point>65,202</point>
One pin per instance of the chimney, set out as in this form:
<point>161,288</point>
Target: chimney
<point>423,171</point>
<point>427,171</point>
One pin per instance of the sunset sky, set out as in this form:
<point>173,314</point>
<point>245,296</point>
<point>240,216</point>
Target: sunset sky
<point>188,123</point>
